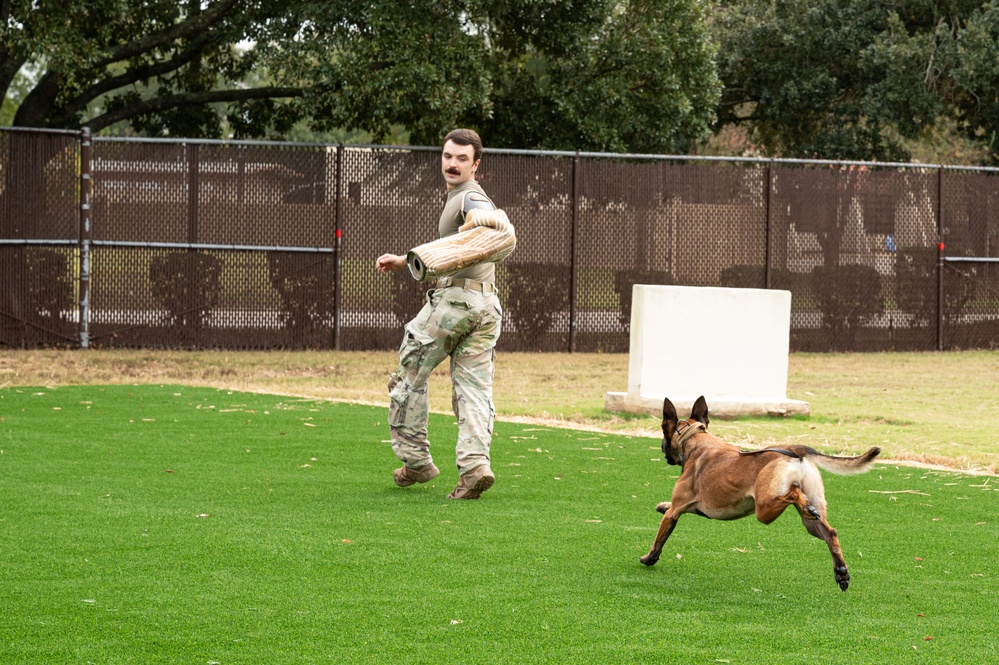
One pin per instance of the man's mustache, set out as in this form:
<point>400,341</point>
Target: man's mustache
<point>453,171</point>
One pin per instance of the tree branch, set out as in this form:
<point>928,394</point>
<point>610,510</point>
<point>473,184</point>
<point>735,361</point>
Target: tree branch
<point>142,73</point>
<point>168,102</point>
<point>10,65</point>
<point>36,109</point>
<point>192,26</point>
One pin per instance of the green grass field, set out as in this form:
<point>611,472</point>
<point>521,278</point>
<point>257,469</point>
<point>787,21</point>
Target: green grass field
<point>931,408</point>
<point>173,524</point>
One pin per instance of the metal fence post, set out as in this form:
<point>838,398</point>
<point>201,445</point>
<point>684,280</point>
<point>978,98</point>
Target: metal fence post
<point>338,255</point>
<point>573,282</point>
<point>86,235</point>
<point>940,262</point>
<point>767,279</point>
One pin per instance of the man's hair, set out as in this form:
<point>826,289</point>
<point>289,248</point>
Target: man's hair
<point>465,137</point>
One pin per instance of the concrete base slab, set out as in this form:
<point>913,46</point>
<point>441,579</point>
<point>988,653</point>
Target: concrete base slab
<point>728,408</point>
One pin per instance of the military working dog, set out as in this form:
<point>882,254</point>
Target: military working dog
<point>719,481</point>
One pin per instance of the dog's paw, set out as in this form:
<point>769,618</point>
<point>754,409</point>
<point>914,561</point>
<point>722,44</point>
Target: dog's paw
<point>811,513</point>
<point>648,560</point>
<point>842,577</point>
<point>663,507</point>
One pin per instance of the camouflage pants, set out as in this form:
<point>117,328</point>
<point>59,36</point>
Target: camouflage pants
<point>464,325</point>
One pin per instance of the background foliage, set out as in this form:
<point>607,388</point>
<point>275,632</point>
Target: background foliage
<point>835,79</point>
<point>854,79</point>
<point>582,74</point>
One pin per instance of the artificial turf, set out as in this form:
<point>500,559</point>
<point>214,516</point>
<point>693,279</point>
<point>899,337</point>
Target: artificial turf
<point>170,524</point>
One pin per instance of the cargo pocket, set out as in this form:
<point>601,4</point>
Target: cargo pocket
<point>412,355</point>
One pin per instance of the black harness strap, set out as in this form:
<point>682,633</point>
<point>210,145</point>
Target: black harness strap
<point>782,451</point>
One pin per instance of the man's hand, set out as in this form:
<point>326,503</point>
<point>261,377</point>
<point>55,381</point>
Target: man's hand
<point>389,262</point>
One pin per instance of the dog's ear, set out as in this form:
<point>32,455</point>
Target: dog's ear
<point>700,411</point>
<point>670,419</point>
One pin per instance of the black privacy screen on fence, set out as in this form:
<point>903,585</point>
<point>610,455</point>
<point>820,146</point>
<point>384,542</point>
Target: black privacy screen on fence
<point>212,245</point>
<point>39,238</point>
<point>250,245</point>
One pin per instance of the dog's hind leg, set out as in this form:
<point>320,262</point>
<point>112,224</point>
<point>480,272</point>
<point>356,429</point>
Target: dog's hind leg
<point>772,499</point>
<point>800,500</point>
<point>804,491</point>
<point>769,508</point>
<point>821,529</point>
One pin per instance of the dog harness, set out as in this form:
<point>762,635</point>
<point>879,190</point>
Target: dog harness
<point>782,451</point>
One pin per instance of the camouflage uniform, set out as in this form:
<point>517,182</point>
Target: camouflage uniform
<point>462,323</point>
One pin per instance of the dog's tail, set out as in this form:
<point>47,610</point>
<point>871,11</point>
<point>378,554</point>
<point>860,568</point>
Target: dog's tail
<point>843,466</point>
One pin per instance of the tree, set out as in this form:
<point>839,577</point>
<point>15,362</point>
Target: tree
<point>96,58</point>
<point>633,75</point>
<point>973,84</point>
<point>851,79</point>
<point>616,76</point>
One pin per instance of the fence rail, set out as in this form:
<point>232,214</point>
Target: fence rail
<point>255,245</point>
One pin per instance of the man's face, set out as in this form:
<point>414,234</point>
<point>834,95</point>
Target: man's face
<point>458,163</point>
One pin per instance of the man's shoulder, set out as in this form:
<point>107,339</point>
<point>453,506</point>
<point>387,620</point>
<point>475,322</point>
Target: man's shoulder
<point>475,192</point>
<point>468,195</point>
<point>474,200</point>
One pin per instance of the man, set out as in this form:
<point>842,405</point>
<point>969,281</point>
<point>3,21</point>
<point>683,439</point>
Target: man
<point>460,320</point>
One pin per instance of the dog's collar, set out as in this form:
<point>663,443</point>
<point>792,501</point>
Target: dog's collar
<point>685,429</point>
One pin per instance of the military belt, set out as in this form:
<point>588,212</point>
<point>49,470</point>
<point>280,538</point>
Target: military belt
<point>461,283</point>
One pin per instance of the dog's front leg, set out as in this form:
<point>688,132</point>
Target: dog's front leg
<point>666,527</point>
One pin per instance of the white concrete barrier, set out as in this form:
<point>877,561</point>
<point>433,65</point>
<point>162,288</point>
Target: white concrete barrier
<point>730,345</point>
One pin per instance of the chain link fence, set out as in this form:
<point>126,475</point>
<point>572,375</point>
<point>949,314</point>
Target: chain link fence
<point>156,243</point>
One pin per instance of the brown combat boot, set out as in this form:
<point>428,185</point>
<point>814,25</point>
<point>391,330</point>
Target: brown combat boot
<point>406,476</point>
<point>471,485</point>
